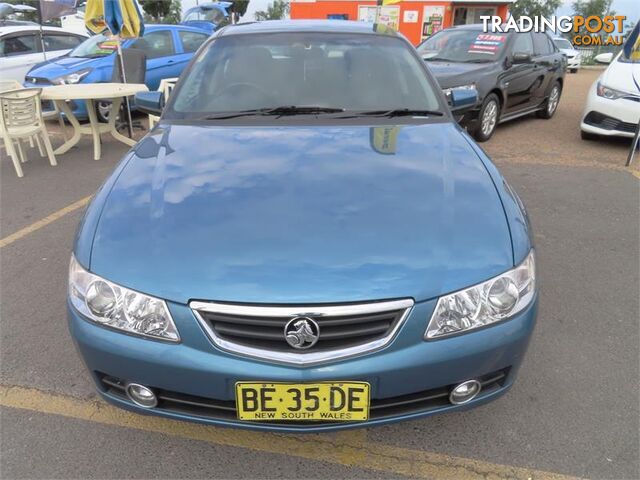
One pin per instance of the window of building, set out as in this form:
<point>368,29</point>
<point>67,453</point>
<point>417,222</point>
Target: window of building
<point>470,15</point>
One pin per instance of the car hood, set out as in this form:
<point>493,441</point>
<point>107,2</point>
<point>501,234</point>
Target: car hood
<point>455,74</point>
<point>61,66</point>
<point>302,215</point>
<point>622,76</point>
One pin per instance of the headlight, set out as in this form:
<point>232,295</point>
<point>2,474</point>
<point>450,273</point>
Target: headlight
<point>609,93</point>
<point>111,305</point>
<point>447,91</point>
<point>72,78</point>
<point>481,305</point>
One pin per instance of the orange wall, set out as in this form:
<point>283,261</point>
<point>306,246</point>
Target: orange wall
<point>413,31</point>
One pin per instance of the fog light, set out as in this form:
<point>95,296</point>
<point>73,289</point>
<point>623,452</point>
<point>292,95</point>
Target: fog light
<point>465,392</point>
<point>141,395</point>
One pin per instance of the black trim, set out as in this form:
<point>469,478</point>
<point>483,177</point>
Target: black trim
<point>380,408</point>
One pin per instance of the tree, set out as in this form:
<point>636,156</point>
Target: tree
<point>275,11</point>
<point>163,11</point>
<point>239,8</point>
<point>587,8</point>
<point>534,8</point>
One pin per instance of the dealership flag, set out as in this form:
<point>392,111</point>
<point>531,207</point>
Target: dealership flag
<point>50,9</point>
<point>632,45</point>
<point>631,51</point>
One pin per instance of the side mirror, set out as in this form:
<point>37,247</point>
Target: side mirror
<point>463,97</point>
<point>604,57</point>
<point>520,57</point>
<point>150,103</point>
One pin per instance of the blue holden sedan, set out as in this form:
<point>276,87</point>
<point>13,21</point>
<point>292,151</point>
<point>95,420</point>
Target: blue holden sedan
<point>306,241</point>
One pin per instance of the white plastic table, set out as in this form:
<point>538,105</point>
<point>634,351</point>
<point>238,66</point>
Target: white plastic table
<point>91,92</point>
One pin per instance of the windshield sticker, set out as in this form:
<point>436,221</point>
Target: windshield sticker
<point>487,43</point>
<point>107,46</point>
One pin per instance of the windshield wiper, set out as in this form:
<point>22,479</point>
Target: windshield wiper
<point>95,55</point>
<point>479,60</point>
<point>439,59</point>
<point>399,112</point>
<point>277,111</point>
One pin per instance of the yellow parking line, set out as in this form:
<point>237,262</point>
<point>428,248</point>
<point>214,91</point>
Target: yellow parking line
<point>347,448</point>
<point>23,232</point>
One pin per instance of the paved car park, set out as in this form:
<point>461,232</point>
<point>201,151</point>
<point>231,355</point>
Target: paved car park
<point>574,410</point>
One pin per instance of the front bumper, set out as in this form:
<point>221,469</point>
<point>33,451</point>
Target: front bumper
<point>407,369</point>
<point>574,63</point>
<point>467,116</point>
<point>606,117</point>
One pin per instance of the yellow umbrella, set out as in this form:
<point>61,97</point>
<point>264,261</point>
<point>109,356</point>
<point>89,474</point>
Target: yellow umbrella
<point>121,17</point>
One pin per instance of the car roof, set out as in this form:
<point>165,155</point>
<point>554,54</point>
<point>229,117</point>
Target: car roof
<point>157,26</point>
<point>4,30</point>
<point>329,26</point>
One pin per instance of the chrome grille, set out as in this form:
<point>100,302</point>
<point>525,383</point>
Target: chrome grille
<point>345,330</point>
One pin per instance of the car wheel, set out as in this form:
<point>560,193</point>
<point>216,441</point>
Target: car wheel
<point>103,109</point>
<point>574,70</point>
<point>588,136</point>
<point>488,118</point>
<point>551,105</point>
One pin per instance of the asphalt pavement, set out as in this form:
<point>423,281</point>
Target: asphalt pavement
<point>575,409</point>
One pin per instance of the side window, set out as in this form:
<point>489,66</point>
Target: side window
<point>156,44</point>
<point>523,44</point>
<point>18,45</point>
<point>191,41</point>
<point>541,44</point>
<point>54,42</point>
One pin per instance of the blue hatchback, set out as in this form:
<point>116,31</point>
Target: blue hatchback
<point>168,48</point>
<point>306,241</point>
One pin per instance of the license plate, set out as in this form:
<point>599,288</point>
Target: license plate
<point>326,401</point>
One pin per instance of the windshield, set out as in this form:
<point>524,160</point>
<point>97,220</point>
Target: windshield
<point>463,46</point>
<point>213,15</point>
<point>96,46</point>
<point>332,72</point>
<point>563,44</point>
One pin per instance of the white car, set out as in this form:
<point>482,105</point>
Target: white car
<point>22,47</point>
<point>574,57</point>
<point>613,102</point>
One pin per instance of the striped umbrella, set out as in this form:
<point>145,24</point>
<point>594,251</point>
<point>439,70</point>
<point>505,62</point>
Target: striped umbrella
<point>123,20</point>
<point>121,17</point>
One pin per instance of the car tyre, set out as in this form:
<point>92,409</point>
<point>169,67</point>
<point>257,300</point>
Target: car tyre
<point>103,108</point>
<point>574,70</point>
<point>551,105</point>
<point>488,118</point>
<point>588,136</point>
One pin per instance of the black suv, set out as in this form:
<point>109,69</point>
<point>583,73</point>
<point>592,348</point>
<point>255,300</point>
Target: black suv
<point>515,74</point>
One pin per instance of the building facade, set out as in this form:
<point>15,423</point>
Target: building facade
<point>416,19</point>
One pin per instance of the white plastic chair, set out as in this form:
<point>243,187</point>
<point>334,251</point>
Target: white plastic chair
<point>21,118</point>
<point>166,86</point>
<point>6,85</point>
